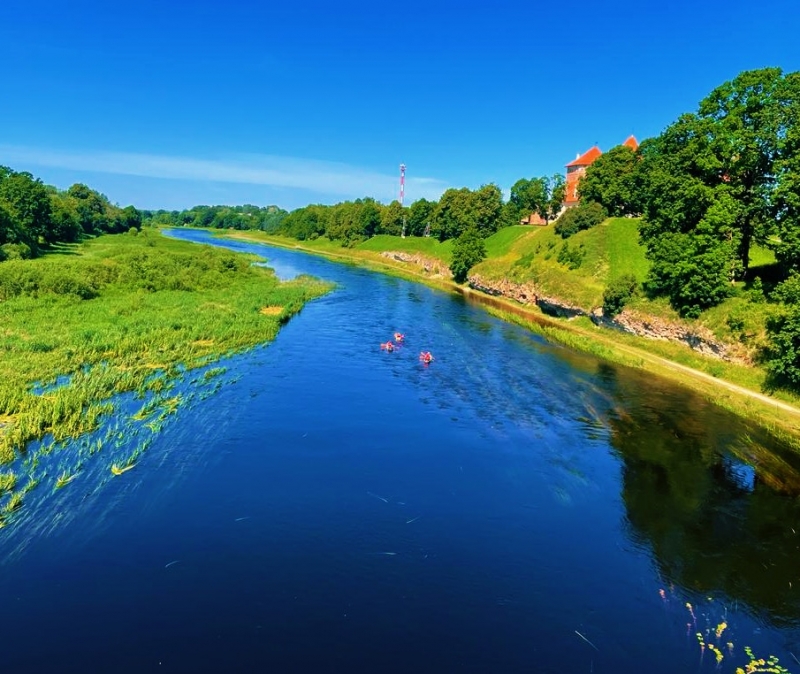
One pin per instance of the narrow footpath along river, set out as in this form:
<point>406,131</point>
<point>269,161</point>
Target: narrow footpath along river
<point>512,507</point>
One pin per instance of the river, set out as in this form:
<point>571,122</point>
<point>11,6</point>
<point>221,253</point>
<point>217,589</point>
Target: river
<point>514,506</point>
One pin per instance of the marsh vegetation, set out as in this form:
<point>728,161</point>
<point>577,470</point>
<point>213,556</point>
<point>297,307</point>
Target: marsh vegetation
<point>131,314</point>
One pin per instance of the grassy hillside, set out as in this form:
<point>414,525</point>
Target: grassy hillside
<point>427,246</point>
<point>608,251</point>
<point>605,252</point>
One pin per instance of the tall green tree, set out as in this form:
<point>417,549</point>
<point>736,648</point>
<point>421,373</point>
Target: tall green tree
<point>528,195</point>
<point>453,214</point>
<point>555,190</point>
<point>487,207</point>
<point>787,177</point>
<point>612,181</point>
<point>419,215</point>
<point>28,203</point>
<point>392,219</point>
<point>468,250</point>
<point>712,180</point>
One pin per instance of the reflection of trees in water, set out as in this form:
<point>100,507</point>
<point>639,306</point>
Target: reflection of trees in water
<point>712,523</point>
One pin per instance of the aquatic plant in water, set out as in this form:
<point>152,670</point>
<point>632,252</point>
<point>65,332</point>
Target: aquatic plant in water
<point>711,637</point>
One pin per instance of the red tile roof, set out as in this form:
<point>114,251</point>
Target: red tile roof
<point>632,143</point>
<point>586,158</point>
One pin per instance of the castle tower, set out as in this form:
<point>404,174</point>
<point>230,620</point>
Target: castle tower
<point>575,170</point>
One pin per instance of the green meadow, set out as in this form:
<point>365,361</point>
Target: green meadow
<point>117,314</point>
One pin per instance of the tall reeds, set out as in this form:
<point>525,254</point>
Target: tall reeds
<point>129,316</point>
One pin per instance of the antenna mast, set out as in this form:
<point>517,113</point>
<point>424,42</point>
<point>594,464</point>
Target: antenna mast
<point>402,196</point>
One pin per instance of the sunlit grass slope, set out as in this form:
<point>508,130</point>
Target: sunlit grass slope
<point>606,251</point>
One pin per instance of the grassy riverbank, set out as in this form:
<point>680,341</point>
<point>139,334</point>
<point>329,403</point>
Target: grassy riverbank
<point>609,250</point>
<point>120,314</point>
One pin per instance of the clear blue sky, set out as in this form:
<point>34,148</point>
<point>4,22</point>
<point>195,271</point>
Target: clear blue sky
<point>166,104</point>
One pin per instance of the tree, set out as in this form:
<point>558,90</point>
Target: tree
<point>28,203</point>
<point>617,294</point>
<point>91,210</point>
<point>453,214</point>
<point>462,209</point>
<point>585,215</point>
<point>787,177</point>
<point>611,181</point>
<point>304,223</point>
<point>130,217</point>
<point>543,196</point>
<point>391,221</point>
<point>468,250</point>
<point>369,217</point>
<point>714,182</point>
<point>782,355</point>
<point>64,219</point>
<point>419,215</point>
<point>527,196</point>
<point>555,189</point>
<point>487,207</point>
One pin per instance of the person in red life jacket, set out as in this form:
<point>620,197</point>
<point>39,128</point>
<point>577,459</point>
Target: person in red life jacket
<point>426,357</point>
<point>388,346</point>
<point>399,336</point>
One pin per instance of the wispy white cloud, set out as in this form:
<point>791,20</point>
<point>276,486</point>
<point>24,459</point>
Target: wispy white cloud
<point>324,177</point>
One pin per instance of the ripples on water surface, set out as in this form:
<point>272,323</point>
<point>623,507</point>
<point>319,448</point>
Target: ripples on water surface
<point>514,507</point>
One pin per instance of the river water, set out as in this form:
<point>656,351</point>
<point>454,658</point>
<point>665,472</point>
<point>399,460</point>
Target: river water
<point>512,507</point>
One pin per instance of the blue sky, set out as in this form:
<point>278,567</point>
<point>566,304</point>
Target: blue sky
<point>166,105</point>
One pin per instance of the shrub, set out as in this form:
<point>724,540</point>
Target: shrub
<point>782,355</point>
<point>571,257</point>
<point>583,216</point>
<point>735,322</point>
<point>617,294</point>
<point>788,292</point>
<point>15,251</point>
<point>756,291</point>
<point>468,249</point>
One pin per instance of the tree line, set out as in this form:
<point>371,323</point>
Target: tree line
<point>264,218</point>
<point>35,216</point>
<point>349,222</point>
<point>457,211</point>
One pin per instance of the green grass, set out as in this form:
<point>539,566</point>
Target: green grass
<point>625,254</point>
<point>424,245</point>
<point>124,315</point>
<point>501,242</point>
<point>532,256</point>
<point>761,257</point>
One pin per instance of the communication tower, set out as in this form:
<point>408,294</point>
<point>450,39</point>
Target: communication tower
<point>402,196</point>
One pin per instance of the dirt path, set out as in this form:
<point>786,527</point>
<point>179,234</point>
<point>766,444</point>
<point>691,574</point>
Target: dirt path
<point>772,402</point>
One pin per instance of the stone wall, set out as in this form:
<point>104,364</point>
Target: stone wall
<point>429,265</point>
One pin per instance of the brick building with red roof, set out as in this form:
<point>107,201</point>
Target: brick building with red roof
<point>577,167</point>
<point>575,171</point>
